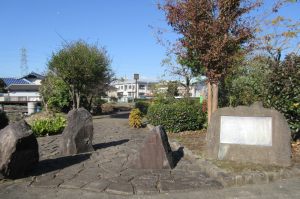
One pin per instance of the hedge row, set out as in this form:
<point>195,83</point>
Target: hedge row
<point>177,116</point>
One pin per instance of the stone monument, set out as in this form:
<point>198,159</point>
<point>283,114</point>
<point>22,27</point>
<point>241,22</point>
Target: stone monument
<point>78,134</point>
<point>155,152</point>
<point>19,151</point>
<point>249,134</point>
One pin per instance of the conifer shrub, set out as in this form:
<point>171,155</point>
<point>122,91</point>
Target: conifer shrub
<point>135,118</point>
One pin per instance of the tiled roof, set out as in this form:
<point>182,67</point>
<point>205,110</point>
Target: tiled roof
<point>9,81</point>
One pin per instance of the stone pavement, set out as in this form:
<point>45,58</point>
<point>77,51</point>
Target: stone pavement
<point>106,170</point>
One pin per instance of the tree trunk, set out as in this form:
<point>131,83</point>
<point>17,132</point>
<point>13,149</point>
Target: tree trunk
<point>208,101</point>
<point>72,92</point>
<point>77,99</point>
<point>90,103</point>
<point>187,83</point>
<point>215,90</point>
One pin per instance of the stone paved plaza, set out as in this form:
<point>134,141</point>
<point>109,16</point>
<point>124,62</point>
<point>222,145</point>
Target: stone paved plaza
<point>107,169</point>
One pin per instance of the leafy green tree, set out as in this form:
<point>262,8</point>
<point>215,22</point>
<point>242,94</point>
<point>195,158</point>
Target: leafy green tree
<point>283,90</point>
<point>55,93</point>
<point>245,83</point>
<point>82,67</point>
<point>172,90</point>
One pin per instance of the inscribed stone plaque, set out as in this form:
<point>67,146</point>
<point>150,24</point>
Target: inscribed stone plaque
<point>246,130</point>
<point>249,134</point>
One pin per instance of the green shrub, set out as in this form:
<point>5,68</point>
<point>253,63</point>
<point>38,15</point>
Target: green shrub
<point>135,118</point>
<point>3,119</point>
<point>142,106</point>
<point>48,126</point>
<point>178,116</point>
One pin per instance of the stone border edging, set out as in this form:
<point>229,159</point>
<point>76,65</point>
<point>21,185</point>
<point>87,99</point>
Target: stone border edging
<point>228,179</point>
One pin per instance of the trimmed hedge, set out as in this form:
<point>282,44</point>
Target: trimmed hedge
<point>177,116</point>
<point>142,106</point>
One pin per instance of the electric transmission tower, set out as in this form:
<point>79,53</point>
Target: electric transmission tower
<point>24,65</point>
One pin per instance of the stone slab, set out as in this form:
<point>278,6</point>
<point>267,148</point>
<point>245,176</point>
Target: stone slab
<point>278,153</point>
<point>77,137</point>
<point>155,152</point>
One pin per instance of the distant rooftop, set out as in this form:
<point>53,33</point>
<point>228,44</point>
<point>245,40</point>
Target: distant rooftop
<point>34,75</point>
<point>8,81</point>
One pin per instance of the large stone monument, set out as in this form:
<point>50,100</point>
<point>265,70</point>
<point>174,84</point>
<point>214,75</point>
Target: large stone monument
<point>249,134</point>
<point>18,150</point>
<point>78,135</point>
<point>155,152</point>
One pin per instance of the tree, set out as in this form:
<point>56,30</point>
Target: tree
<point>213,31</point>
<point>55,93</point>
<point>283,90</point>
<point>245,83</point>
<point>82,67</point>
<point>172,89</point>
<point>179,69</point>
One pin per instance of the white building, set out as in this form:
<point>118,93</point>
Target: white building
<point>22,90</point>
<point>127,90</point>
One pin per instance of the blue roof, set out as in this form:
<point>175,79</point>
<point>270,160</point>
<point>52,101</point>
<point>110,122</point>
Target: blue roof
<point>9,81</point>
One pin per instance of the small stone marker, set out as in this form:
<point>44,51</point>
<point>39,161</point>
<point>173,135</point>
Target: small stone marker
<point>78,134</point>
<point>249,134</point>
<point>155,152</point>
<point>19,151</point>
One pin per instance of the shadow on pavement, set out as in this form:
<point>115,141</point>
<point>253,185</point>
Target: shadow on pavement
<point>121,115</point>
<point>109,144</point>
<point>46,166</point>
<point>177,155</point>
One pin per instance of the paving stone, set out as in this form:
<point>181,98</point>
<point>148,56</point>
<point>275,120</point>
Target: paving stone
<point>145,186</point>
<point>122,188</point>
<point>48,181</point>
<point>99,185</point>
<point>73,184</point>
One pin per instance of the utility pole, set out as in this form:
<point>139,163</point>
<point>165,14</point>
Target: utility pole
<point>136,77</point>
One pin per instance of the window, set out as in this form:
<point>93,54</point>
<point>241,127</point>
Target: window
<point>141,87</point>
<point>125,87</point>
<point>129,87</point>
<point>121,87</point>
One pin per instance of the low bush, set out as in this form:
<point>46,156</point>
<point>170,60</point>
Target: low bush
<point>177,116</point>
<point>135,118</point>
<point>142,106</point>
<point>3,119</point>
<point>48,126</point>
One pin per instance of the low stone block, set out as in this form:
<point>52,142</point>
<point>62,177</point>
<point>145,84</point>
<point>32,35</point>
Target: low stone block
<point>78,135</point>
<point>18,150</point>
<point>155,152</point>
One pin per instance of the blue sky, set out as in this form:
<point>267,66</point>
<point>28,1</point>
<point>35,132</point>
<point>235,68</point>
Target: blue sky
<point>122,26</point>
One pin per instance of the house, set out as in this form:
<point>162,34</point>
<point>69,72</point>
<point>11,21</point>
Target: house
<point>127,90</point>
<point>24,90</point>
